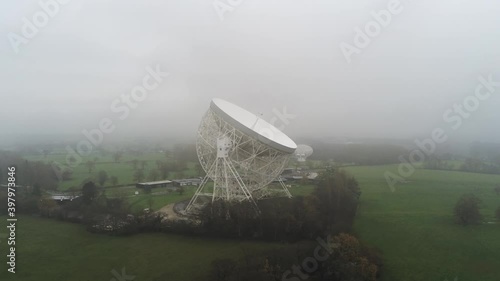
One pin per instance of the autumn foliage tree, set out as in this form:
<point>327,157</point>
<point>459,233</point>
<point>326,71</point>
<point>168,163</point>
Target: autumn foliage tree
<point>343,258</point>
<point>348,260</point>
<point>47,206</point>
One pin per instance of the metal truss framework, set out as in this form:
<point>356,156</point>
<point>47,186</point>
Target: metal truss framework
<point>240,166</point>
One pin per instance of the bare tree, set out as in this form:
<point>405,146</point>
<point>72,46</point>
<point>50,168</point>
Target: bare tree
<point>168,154</point>
<point>113,180</point>
<point>139,175</point>
<point>180,190</point>
<point>134,163</point>
<point>497,189</point>
<point>90,165</point>
<point>46,152</point>
<point>150,202</point>
<point>117,156</point>
<point>181,174</point>
<point>164,169</point>
<point>153,175</point>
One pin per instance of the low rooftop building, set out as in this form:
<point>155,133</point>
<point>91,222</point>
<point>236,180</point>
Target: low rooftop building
<point>153,184</point>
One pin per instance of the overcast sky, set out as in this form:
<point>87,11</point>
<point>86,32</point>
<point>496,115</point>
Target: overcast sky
<point>261,55</point>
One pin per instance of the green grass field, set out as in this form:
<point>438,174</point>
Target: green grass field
<point>50,250</point>
<point>415,230</point>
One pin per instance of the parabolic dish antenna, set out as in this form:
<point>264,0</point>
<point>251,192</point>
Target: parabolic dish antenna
<point>302,152</point>
<point>241,153</point>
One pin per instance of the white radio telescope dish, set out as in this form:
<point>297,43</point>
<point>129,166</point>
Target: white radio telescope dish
<point>241,153</point>
<point>302,152</point>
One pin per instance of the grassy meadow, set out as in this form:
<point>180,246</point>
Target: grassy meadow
<point>50,250</point>
<point>414,227</point>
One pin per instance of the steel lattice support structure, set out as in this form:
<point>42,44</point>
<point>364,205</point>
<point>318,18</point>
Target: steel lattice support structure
<point>240,166</point>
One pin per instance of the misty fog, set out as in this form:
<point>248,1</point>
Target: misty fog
<point>265,56</point>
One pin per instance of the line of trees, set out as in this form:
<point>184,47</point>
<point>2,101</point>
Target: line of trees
<point>477,165</point>
<point>340,257</point>
<point>358,153</point>
<point>29,173</point>
<point>92,208</point>
<point>436,162</point>
<point>473,165</point>
<point>331,208</point>
<point>161,170</point>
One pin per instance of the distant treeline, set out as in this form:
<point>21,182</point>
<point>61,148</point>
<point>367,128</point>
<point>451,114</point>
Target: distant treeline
<point>486,151</point>
<point>359,154</point>
<point>473,165</point>
<point>35,174</point>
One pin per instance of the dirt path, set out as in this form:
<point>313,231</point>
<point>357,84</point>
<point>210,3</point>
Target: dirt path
<point>169,211</point>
